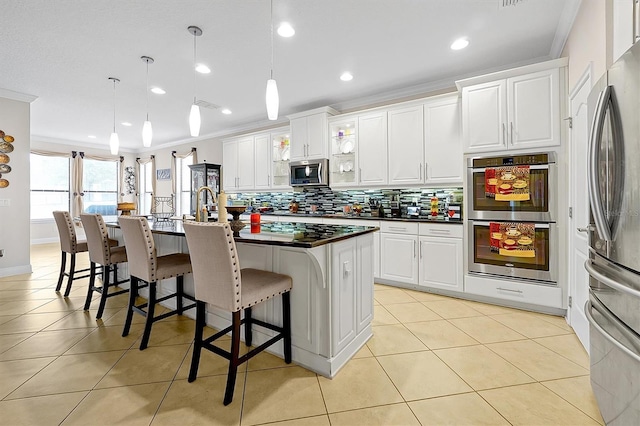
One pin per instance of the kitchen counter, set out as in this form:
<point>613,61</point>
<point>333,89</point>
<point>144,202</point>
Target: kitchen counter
<point>304,235</point>
<point>422,219</point>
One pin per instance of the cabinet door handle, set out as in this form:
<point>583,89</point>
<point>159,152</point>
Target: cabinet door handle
<point>397,228</point>
<point>511,137</point>
<point>440,231</point>
<point>414,249</point>
<point>508,289</point>
<point>359,174</point>
<point>504,135</point>
<point>420,171</point>
<point>636,20</point>
<point>420,249</point>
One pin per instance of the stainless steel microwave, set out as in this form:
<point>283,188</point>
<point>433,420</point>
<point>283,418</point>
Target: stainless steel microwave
<point>310,172</point>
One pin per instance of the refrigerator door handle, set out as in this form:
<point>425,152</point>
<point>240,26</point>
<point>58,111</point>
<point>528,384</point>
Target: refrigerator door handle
<point>593,272</point>
<point>613,321</point>
<point>595,137</point>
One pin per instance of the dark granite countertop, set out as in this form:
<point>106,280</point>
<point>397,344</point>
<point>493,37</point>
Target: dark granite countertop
<point>305,235</point>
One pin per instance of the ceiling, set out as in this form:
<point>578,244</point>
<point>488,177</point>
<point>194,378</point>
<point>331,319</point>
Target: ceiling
<point>64,52</point>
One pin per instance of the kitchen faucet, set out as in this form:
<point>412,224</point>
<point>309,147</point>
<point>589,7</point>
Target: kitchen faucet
<point>199,217</point>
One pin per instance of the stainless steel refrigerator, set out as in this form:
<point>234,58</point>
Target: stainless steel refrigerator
<point>613,308</point>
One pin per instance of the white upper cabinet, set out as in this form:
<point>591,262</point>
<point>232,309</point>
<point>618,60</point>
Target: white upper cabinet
<point>372,148</point>
<point>343,147</point>
<point>309,134</point>
<point>405,145</point>
<point>518,112</point>
<point>626,23</point>
<point>263,172</point>
<point>280,154</point>
<point>443,162</point>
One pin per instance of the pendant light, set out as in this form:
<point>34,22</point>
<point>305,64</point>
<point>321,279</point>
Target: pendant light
<point>272,98</point>
<point>114,142</point>
<point>194,114</point>
<point>147,131</point>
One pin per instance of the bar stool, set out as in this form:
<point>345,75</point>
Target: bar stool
<point>219,281</point>
<point>69,244</point>
<point>101,252</point>
<point>145,265</point>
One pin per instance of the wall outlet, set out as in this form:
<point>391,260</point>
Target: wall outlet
<point>5,202</point>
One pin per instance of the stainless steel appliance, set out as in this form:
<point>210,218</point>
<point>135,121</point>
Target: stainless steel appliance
<point>613,308</point>
<point>543,181</point>
<point>490,183</point>
<point>310,172</point>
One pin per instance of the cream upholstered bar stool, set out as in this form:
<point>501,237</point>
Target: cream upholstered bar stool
<point>69,245</point>
<point>145,265</point>
<point>219,281</point>
<point>101,252</point>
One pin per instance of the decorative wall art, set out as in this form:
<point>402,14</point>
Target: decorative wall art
<point>129,180</point>
<point>163,174</point>
<point>6,147</point>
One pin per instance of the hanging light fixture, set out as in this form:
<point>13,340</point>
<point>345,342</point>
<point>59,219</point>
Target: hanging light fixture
<point>114,142</point>
<point>272,98</point>
<point>194,114</point>
<point>147,131</point>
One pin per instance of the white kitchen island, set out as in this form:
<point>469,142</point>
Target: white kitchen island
<point>332,295</point>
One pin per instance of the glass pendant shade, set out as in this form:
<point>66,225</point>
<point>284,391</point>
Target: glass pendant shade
<point>147,134</point>
<point>272,99</point>
<point>194,120</point>
<point>114,143</point>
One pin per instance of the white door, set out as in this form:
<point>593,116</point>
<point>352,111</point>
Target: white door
<point>246,163</point>
<point>443,161</point>
<point>372,148</point>
<point>578,240</point>
<point>317,136</point>
<point>230,165</point>
<point>441,263</point>
<point>298,139</point>
<point>534,110</point>
<point>484,116</point>
<point>263,161</point>
<point>405,145</point>
<point>398,257</point>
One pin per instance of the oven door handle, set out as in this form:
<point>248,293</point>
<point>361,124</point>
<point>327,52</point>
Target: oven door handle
<point>532,167</point>
<point>537,225</point>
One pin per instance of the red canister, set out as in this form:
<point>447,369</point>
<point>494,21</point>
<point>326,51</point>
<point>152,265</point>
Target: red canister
<point>255,223</point>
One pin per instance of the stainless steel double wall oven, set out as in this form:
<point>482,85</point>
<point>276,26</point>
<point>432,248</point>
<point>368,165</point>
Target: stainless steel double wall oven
<point>512,211</point>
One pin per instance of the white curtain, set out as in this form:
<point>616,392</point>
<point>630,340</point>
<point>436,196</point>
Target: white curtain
<point>174,179</point>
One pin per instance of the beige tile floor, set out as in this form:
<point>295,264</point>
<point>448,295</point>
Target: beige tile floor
<point>433,360</point>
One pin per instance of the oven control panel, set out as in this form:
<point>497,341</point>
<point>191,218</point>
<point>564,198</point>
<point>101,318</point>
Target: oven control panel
<point>516,160</point>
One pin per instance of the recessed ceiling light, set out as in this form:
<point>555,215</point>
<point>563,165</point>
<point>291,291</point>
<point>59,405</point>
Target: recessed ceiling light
<point>158,91</point>
<point>460,43</point>
<point>91,136</point>
<point>346,76</point>
<point>226,111</point>
<point>203,69</point>
<point>286,30</point>
<point>126,123</point>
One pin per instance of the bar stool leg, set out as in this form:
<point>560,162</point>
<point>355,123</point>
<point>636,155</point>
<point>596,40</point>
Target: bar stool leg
<point>133,292</point>
<point>248,334</point>
<point>63,265</point>
<point>149,322</point>
<point>179,293</point>
<point>233,362</point>
<point>92,282</point>
<point>72,270</point>
<point>286,325</point>
<point>105,291</point>
<point>197,341</point>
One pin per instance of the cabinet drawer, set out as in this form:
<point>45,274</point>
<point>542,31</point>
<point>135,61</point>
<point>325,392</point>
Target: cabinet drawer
<point>543,295</point>
<point>399,227</point>
<point>441,230</point>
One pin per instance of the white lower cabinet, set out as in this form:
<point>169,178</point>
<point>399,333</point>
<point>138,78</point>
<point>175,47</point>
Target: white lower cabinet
<point>343,294</point>
<point>441,263</point>
<point>399,252</point>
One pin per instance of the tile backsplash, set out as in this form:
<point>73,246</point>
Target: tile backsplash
<point>327,201</point>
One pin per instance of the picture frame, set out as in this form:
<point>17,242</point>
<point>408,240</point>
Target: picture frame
<point>163,174</point>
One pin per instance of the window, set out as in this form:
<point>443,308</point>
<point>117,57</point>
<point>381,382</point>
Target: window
<point>100,186</point>
<point>145,188</point>
<point>183,185</point>
<point>50,185</point>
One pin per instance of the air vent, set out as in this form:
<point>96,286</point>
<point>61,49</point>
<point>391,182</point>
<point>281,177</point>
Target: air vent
<point>507,3</point>
<point>205,104</point>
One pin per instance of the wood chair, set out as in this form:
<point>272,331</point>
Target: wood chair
<point>219,281</point>
<point>69,244</point>
<point>145,265</point>
<point>101,252</point>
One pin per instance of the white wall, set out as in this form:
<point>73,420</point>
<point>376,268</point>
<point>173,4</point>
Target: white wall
<point>587,41</point>
<point>14,219</point>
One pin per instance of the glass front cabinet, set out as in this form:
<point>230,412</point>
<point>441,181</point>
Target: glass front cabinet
<point>204,174</point>
<point>280,156</point>
<point>343,163</point>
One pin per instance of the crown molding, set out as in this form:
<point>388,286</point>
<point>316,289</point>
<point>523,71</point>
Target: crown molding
<point>17,96</point>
